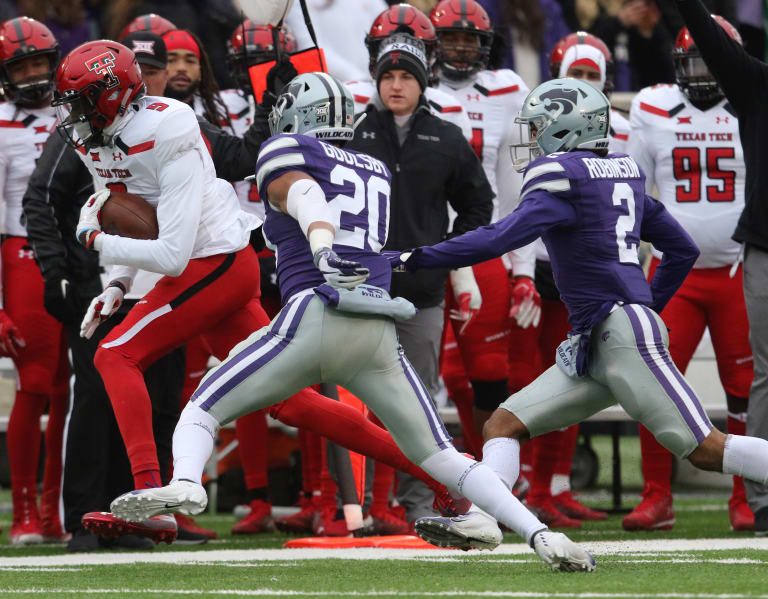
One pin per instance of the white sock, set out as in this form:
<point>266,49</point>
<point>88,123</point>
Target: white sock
<point>193,443</point>
<point>502,455</point>
<point>560,484</point>
<point>747,457</point>
<point>478,483</point>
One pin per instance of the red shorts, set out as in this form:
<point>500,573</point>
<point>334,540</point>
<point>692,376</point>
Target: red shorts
<point>216,297</point>
<point>42,364</point>
<point>483,346</point>
<point>709,297</point>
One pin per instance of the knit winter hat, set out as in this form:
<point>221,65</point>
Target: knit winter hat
<point>406,52</point>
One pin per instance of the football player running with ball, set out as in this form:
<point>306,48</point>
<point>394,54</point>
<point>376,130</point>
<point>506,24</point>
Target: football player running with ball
<point>327,216</point>
<point>591,210</point>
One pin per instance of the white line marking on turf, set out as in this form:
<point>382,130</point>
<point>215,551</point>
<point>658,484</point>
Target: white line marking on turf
<point>281,555</point>
<point>396,593</point>
<point>41,569</point>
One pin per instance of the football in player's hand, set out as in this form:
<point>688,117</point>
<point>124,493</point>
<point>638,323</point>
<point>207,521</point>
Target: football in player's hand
<point>129,215</point>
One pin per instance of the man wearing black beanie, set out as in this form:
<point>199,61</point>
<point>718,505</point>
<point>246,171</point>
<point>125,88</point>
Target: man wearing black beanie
<point>432,166</point>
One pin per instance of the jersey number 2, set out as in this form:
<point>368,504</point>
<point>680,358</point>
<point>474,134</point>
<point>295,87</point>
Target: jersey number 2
<point>622,192</point>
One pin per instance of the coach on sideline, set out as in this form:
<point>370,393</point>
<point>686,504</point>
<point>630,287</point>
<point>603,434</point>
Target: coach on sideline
<point>744,81</point>
<point>432,166</point>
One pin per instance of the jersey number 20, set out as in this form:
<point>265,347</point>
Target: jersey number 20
<point>362,219</point>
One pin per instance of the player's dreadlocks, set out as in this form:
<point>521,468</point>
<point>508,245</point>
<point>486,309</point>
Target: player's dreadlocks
<point>215,111</point>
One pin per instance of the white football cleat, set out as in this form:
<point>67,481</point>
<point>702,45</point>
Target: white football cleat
<point>561,553</point>
<point>473,530</point>
<point>181,496</point>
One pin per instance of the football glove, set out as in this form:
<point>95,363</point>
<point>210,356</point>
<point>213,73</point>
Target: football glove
<point>526,302</point>
<point>339,272</point>
<point>467,295</point>
<point>102,307</point>
<point>61,300</point>
<point>11,340</point>
<point>397,259</point>
<point>89,227</point>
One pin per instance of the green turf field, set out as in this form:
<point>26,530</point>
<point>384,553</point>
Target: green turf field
<point>699,558</point>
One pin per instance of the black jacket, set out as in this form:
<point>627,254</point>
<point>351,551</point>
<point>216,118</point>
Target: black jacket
<point>434,167</point>
<point>61,183</point>
<point>744,80</point>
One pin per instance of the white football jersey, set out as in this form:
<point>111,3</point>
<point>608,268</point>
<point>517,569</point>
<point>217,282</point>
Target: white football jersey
<point>241,115</point>
<point>159,154</point>
<point>440,103</point>
<point>23,133</point>
<point>695,160</point>
<point>618,136</point>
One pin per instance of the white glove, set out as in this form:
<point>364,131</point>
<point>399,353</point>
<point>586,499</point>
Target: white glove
<point>88,227</point>
<point>346,274</point>
<point>102,307</point>
<point>467,295</point>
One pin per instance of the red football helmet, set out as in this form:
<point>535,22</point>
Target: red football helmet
<point>399,18</point>
<point>23,38</point>
<point>95,84</point>
<point>149,22</point>
<point>692,74</point>
<point>459,60</point>
<point>252,44</point>
<point>582,37</point>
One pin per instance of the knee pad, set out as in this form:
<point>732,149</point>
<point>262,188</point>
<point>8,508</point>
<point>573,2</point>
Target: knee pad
<point>490,394</point>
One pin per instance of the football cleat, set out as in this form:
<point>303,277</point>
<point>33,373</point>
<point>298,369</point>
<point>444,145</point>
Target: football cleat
<point>158,528</point>
<point>740,515</point>
<point>573,509</point>
<point>182,496</point>
<point>387,522</point>
<point>25,527</point>
<point>545,510</point>
<point>301,521</point>
<point>560,553</point>
<point>258,520</point>
<point>185,523</point>
<point>448,505</point>
<point>473,530</point>
<point>654,512</point>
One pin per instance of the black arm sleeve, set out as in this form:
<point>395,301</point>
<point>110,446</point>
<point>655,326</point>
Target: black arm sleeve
<point>57,189</point>
<point>470,193</point>
<point>734,69</point>
<point>233,157</point>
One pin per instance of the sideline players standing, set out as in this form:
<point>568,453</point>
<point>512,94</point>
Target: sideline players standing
<point>686,139</point>
<point>488,97</point>
<point>33,338</point>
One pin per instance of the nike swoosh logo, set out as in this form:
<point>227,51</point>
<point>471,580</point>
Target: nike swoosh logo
<point>172,505</point>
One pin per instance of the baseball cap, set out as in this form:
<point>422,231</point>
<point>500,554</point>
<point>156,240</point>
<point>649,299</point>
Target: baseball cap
<point>406,52</point>
<point>148,47</point>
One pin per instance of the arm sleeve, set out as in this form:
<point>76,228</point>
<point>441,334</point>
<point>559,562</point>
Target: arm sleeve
<point>180,177</point>
<point>680,252</point>
<point>734,69</point>
<point>539,212</point>
<point>470,194</point>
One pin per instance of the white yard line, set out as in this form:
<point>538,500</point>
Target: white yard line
<point>396,593</point>
<point>649,546</point>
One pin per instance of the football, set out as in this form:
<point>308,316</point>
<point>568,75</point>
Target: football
<point>128,215</point>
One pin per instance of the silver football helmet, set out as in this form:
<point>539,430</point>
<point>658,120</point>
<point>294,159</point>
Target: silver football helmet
<point>561,115</point>
<point>314,104</point>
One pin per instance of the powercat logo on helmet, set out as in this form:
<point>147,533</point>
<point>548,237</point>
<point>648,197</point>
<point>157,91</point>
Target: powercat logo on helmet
<point>102,65</point>
<point>564,99</point>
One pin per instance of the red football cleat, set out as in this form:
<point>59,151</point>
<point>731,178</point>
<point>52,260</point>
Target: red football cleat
<point>259,520</point>
<point>573,509</point>
<point>385,522</point>
<point>50,522</point>
<point>654,512</point>
<point>545,510</point>
<point>157,528</point>
<point>448,505</point>
<point>190,525</point>
<point>741,516</point>
<point>25,527</point>
<point>301,521</point>
<point>330,522</point>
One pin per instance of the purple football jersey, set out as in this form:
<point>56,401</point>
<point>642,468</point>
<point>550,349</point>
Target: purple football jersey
<point>591,213</point>
<point>357,189</point>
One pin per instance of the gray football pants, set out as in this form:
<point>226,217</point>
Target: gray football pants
<point>629,365</point>
<point>756,296</point>
<point>420,339</point>
<point>308,343</point>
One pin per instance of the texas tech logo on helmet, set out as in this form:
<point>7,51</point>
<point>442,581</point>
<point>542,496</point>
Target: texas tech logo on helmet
<point>102,65</point>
